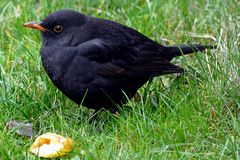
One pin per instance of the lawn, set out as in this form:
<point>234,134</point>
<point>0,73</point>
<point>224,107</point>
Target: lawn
<point>190,116</point>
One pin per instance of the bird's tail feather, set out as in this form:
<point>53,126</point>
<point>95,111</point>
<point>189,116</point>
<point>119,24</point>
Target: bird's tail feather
<point>175,51</point>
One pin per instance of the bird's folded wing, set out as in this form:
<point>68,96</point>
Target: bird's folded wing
<point>115,60</point>
<point>100,51</point>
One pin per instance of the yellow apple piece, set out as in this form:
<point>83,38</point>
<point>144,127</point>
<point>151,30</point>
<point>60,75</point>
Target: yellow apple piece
<point>51,145</point>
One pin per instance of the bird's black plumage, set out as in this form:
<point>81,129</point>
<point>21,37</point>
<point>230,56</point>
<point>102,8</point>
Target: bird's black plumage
<point>98,62</point>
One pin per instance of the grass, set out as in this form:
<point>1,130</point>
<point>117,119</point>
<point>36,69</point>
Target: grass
<point>192,116</point>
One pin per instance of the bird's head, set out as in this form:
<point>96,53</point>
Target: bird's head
<point>59,28</point>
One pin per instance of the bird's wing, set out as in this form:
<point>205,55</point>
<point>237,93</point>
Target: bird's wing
<point>119,60</point>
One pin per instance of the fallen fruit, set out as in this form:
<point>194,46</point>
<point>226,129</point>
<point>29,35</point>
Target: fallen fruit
<point>51,145</point>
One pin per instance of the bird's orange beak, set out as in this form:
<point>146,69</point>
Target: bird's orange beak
<point>35,25</point>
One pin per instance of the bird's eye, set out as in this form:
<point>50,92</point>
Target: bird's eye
<point>58,28</point>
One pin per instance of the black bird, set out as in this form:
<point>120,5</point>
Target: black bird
<point>98,62</point>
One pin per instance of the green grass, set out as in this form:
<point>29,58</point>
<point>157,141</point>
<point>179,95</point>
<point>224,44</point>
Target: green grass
<point>192,116</point>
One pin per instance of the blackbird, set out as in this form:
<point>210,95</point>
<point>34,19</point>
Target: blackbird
<point>97,62</point>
